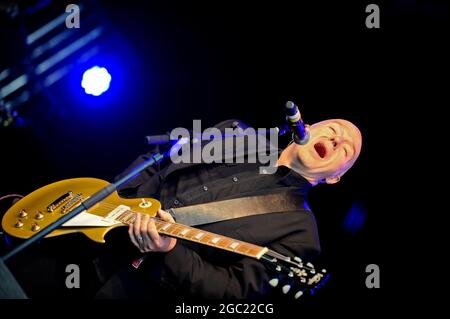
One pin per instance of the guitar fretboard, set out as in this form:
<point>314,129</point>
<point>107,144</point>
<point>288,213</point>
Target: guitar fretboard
<point>199,236</point>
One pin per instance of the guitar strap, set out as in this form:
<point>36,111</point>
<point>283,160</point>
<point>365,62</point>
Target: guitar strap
<point>238,207</point>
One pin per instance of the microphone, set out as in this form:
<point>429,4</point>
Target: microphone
<point>300,131</point>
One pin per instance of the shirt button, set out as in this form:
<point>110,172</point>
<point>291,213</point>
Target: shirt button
<point>235,179</point>
<point>205,188</point>
<point>176,202</point>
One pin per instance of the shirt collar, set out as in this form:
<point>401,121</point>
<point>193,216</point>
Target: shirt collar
<point>290,177</point>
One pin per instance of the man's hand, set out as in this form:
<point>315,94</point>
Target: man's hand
<point>144,235</point>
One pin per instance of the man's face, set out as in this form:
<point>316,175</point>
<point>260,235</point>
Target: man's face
<point>332,149</point>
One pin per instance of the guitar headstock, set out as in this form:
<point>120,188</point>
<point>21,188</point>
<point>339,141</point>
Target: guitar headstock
<point>294,275</point>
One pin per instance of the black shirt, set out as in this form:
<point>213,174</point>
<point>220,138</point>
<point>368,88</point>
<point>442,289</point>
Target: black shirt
<point>212,182</point>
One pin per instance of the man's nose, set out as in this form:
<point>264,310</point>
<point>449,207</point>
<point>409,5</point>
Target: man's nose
<point>337,140</point>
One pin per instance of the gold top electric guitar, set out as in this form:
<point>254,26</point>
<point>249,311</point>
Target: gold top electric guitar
<point>47,204</point>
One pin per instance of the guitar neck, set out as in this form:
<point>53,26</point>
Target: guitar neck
<point>199,236</point>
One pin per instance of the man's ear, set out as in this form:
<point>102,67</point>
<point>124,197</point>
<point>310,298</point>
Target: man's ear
<point>332,180</point>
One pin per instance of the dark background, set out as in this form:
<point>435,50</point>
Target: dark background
<point>173,62</point>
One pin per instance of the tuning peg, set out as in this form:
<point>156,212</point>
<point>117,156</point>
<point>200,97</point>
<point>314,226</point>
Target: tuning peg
<point>278,268</point>
<point>310,265</point>
<point>298,294</point>
<point>273,282</point>
<point>297,259</point>
<point>286,288</point>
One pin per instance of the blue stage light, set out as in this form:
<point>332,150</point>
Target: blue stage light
<point>355,218</point>
<point>96,81</point>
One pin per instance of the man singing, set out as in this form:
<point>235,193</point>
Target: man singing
<point>181,268</point>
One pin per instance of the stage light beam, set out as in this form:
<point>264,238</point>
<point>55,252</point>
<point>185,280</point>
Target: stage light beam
<point>96,81</point>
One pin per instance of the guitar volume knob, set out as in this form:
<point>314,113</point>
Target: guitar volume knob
<point>23,213</point>
<point>18,224</point>
<point>145,203</point>
<point>39,215</point>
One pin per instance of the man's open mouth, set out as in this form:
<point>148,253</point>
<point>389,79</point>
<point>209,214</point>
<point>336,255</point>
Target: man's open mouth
<point>320,149</point>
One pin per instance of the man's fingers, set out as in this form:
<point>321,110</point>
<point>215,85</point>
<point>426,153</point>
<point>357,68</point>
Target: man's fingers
<point>165,216</point>
<point>144,234</point>
<point>143,229</point>
<point>131,234</point>
<point>153,234</point>
<point>137,227</point>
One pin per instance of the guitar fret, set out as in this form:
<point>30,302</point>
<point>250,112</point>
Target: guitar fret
<point>181,230</point>
<point>254,251</point>
<point>178,229</point>
<point>195,233</point>
<point>184,231</point>
<point>199,235</point>
<point>159,226</point>
<point>206,238</point>
<point>225,242</point>
<point>119,218</point>
<point>130,218</point>
<point>172,230</point>
<point>191,233</point>
<point>124,215</point>
<point>243,248</point>
<point>164,227</point>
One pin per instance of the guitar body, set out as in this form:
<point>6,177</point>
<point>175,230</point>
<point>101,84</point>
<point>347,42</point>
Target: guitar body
<point>47,204</point>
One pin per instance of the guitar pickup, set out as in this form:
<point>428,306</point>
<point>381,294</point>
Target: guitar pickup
<point>60,201</point>
<point>74,201</point>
